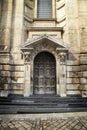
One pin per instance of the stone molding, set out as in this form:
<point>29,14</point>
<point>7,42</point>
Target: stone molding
<point>45,29</point>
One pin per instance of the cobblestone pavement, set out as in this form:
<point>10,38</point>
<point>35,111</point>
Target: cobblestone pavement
<point>79,123</point>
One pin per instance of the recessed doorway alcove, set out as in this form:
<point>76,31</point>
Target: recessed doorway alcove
<point>45,66</point>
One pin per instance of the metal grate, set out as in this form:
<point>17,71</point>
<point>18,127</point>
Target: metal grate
<point>44,9</point>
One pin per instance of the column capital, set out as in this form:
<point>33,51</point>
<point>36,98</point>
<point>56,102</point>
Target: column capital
<point>62,56</point>
<point>27,57</point>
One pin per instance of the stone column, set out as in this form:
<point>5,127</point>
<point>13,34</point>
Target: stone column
<point>62,79</point>
<point>27,89</point>
<point>57,75</point>
<point>18,24</point>
<point>6,19</point>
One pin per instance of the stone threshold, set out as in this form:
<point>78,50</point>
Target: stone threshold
<point>42,116</point>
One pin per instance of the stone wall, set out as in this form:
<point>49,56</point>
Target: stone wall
<point>11,75</point>
<point>73,74</point>
<point>18,22</point>
<point>11,65</point>
<point>82,9</point>
<point>5,22</point>
<point>83,79</point>
<point>4,74</point>
<point>28,17</point>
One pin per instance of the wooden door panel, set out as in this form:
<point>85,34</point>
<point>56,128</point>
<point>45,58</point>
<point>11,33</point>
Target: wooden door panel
<point>44,74</point>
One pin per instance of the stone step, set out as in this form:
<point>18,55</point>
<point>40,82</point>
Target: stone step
<point>40,110</point>
<point>44,103</point>
<point>44,99</point>
<point>40,103</point>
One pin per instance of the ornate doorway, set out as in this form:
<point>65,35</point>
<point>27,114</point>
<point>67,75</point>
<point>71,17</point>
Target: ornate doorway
<point>44,74</point>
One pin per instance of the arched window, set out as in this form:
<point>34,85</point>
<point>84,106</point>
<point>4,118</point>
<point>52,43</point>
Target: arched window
<point>44,8</point>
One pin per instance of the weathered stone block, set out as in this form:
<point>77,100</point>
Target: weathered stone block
<point>17,68</point>
<point>73,86</point>
<point>76,92</point>
<point>17,80</point>
<point>17,74</point>
<point>4,93</point>
<point>83,67</point>
<point>83,80</point>
<point>76,62</point>
<point>4,86</point>
<point>5,80</point>
<point>84,87</point>
<point>5,73</point>
<point>73,59</point>
<point>16,91</point>
<point>16,86</point>
<point>74,74</point>
<point>73,80</point>
<point>84,93</point>
<point>84,74</point>
<point>4,59</point>
<point>6,67</point>
<point>73,68</point>
<point>1,67</point>
<point>16,62</point>
<point>83,59</point>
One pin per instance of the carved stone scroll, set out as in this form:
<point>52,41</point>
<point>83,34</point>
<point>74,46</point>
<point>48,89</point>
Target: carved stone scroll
<point>62,56</point>
<point>27,57</point>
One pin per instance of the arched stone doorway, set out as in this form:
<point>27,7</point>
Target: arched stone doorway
<point>44,74</point>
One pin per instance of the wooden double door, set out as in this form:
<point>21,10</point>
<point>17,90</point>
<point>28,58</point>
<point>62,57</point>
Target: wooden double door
<point>44,73</point>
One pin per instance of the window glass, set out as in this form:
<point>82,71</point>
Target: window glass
<point>44,9</point>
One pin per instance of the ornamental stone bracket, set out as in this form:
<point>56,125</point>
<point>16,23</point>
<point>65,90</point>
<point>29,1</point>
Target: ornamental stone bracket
<point>27,57</point>
<point>62,56</point>
<point>26,53</point>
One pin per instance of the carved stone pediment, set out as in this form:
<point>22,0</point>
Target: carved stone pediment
<point>44,42</point>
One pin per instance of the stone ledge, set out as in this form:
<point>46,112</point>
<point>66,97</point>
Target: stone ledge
<point>44,19</point>
<point>42,116</point>
<point>45,29</point>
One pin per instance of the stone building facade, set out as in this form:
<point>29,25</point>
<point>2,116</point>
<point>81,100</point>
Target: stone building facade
<point>43,47</point>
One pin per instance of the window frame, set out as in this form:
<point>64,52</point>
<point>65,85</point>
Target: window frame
<point>44,9</point>
<point>53,10</point>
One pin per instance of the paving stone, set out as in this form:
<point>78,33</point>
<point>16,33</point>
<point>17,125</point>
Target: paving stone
<point>1,128</point>
<point>21,128</point>
<point>14,129</point>
<point>48,124</point>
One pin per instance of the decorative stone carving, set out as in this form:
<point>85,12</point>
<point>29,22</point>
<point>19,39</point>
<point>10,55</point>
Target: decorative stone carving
<point>43,47</point>
<point>62,56</point>
<point>27,57</point>
<point>3,48</point>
